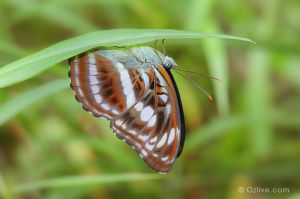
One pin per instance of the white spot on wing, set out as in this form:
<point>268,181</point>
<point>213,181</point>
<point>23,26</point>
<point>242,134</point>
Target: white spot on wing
<point>92,63</point>
<point>153,140</point>
<point>152,121</point>
<point>127,88</point>
<point>92,69</point>
<point>162,140</point>
<point>146,113</point>
<point>125,82</point>
<point>138,145</point>
<point>80,91</point>
<point>105,107</point>
<point>91,58</point>
<point>124,126</point>
<point>168,109</point>
<point>114,111</point>
<point>164,158</point>
<point>164,98</point>
<point>77,82</point>
<point>131,131</point>
<point>130,99</point>
<point>118,122</point>
<point>119,65</point>
<point>76,67</point>
<point>149,146</point>
<point>144,153</point>
<point>98,98</point>
<point>124,75</point>
<point>139,106</point>
<point>146,80</point>
<point>171,136</point>
<point>143,137</point>
<point>163,89</point>
<point>93,80</point>
<point>95,89</point>
<point>178,132</point>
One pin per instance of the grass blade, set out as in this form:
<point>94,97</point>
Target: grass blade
<point>15,105</point>
<point>34,64</point>
<point>85,181</point>
<point>200,19</point>
<point>258,102</point>
<point>4,190</point>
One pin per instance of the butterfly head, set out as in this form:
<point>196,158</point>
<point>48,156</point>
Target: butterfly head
<point>169,63</point>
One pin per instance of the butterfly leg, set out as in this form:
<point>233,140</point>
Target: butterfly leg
<point>156,52</point>
<point>163,44</point>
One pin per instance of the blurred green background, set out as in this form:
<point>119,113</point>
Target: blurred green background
<point>247,137</point>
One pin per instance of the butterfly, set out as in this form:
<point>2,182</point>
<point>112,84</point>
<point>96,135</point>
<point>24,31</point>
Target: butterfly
<point>135,90</point>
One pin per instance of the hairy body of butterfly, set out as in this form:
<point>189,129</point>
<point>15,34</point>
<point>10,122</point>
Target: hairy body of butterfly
<point>137,92</point>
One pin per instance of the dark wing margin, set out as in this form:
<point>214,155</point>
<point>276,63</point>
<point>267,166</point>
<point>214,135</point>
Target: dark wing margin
<point>182,127</point>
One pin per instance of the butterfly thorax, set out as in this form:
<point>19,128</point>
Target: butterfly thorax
<point>147,57</point>
<point>154,57</point>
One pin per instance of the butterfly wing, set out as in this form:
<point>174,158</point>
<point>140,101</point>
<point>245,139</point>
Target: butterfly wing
<point>143,104</point>
<point>107,88</point>
<point>154,126</point>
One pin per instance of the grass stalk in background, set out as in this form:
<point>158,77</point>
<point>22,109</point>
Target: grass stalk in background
<point>85,181</point>
<point>258,88</point>
<point>215,52</point>
<point>213,130</point>
<point>15,105</point>
<point>4,190</point>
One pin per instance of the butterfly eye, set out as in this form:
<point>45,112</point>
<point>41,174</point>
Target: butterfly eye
<point>169,63</point>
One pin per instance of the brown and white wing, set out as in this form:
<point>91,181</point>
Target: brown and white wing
<point>106,88</point>
<point>154,126</point>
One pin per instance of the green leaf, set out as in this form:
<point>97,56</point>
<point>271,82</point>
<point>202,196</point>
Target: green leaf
<point>34,64</point>
<point>15,105</point>
<point>85,181</point>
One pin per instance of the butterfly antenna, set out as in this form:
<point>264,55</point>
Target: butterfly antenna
<point>202,74</point>
<point>208,95</point>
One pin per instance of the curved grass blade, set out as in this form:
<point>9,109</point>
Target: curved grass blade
<point>15,105</point>
<point>85,181</point>
<point>34,64</point>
